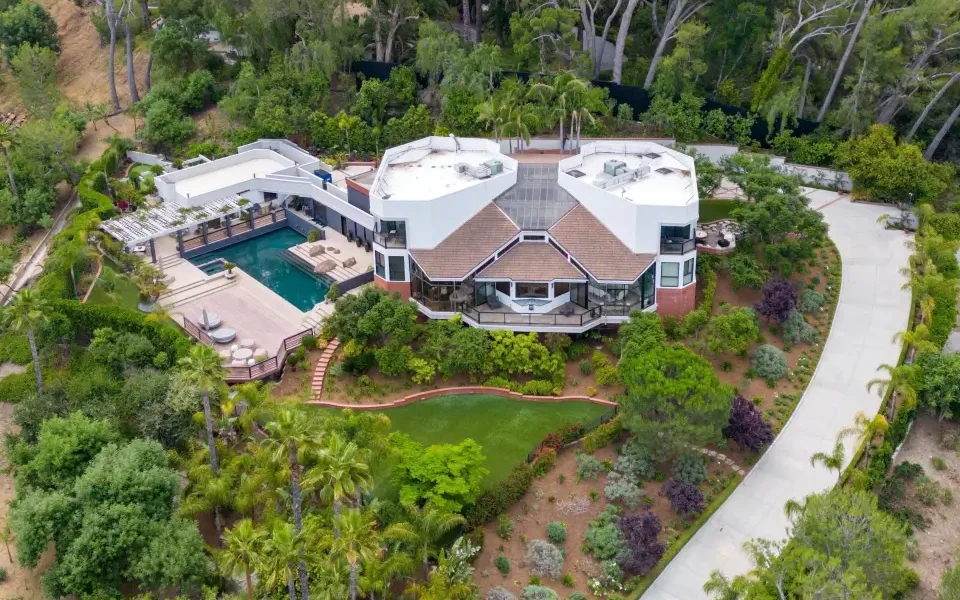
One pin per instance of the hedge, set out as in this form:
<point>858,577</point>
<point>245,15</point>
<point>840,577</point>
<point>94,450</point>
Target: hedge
<point>944,313</point>
<point>17,386</point>
<point>87,318</point>
<point>15,348</point>
<point>496,500</point>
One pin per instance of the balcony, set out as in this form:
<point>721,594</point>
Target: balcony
<point>568,315</point>
<point>677,246</point>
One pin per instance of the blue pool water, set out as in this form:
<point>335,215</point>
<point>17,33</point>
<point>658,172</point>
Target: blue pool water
<point>262,259</point>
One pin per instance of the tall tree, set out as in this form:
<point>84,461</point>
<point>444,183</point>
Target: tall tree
<point>942,133</point>
<point>588,16</point>
<point>838,74</point>
<point>678,13</point>
<point>344,472</point>
<point>422,531</point>
<point>282,551</point>
<point>243,546</point>
<point>26,314</point>
<point>929,106</point>
<point>110,12</point>
<point>203,367</point>
<point>35,69</point>
<point>621,43</point>
<point>7,139</point>
<point>130,21</point>
<point>357,542</point>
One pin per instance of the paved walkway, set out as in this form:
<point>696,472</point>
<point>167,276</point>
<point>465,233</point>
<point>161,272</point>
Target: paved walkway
<point>871,309</point>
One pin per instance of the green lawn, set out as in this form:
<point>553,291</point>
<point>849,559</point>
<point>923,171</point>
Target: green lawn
<point>713,210</point>
<point>507,429</point>
<point>127,294</point>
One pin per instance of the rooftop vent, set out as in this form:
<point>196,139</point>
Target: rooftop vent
<point>664,170</point>
<point>622,177</point>
<point>652,155</point>
<point>495,166</point>
<point>611,167</point>
<point>477,172</point>
<point>575,173</point>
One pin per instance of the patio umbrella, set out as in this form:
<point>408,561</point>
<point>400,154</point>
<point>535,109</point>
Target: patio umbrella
<point>206,321</point>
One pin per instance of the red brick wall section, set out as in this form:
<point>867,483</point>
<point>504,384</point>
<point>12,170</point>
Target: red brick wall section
<point>676,302</point>
<point>463,390</point>
<point>401,287</point>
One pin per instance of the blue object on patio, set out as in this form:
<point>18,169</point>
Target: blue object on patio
<point>223,335</point>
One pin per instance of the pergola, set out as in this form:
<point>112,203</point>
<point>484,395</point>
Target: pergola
<point>170,217</point>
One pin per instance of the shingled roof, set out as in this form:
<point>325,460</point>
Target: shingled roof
<point>468,246</point>
<point>596,248</point>
<point>532,261</point>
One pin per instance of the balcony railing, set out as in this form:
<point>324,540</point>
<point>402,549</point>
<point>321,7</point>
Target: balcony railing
<point>489,317</point>
<point>391,240</point>
<point>675,246</point>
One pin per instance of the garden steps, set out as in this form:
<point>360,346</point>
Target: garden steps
<point>201,292</point>
<point>320,369</point>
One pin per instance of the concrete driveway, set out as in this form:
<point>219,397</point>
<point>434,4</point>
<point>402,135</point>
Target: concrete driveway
<point>871,309</point>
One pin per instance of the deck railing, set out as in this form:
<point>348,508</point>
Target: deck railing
<point>264,368</point>
<point>489,317</point>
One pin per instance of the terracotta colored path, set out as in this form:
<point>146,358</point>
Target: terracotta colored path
<point>320,369</point>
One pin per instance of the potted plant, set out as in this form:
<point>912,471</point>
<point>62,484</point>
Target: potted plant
<point>313,236</point>
<point>229,266</point>
<point>149,280</point>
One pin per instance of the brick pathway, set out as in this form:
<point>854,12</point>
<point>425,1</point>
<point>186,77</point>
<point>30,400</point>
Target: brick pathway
<point>320,369</point>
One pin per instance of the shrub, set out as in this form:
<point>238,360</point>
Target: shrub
<point>689,468</point>
<point>644,549</point>
<point>810,301</point>
<point>938,463</point>
<point>769,362</point>
<point>505,527</point>
<point>635,464</point>
<point>537,387</point>
<point>586,367</point>
<point>498,593</point>
<point>357,359</point>
<point>423,372</point>
<point>577,596</point>
<point>685,499</point>
<point>498,498</point>
<point>779,299</point>
<point>313,236</point>
<point>499,382</point>
<point>927,490</point>
<point>544,462</point>
<point>602,435</point>
<point>746,425</point>
<point>588,467</point>
<point>608,375</point>
<point>622,488</point>
<point>333,293</point>
<point>746,271</point>
<point>946,224</point>
<point>603,538</point>
<point>568,580</point>
<point>544,559</point>
<point>732,330</point>
<point>599,359</point>
<point>591,391</point>
<point>557,342</point>
<point>503,564</point>
<point>3,574</point>
<point>796,330</point>
<point>538,592</point>
<point>309,342</point>
<point>557,532</point>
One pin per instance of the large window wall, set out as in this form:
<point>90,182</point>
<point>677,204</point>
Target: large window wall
<point>437,295</point>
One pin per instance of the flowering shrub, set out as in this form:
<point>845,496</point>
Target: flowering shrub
<point>544,559</point>
<point>746,425</point>
<point>689,468</point>
<point>779,298</point>
<point>685,499</point>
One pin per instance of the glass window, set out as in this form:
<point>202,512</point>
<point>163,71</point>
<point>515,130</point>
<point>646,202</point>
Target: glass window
<point>670,274</point>
<point>688,267</point>
<point>397,272</point>
<point>675,232</point>
<point>534,238</point>
<point>381,266</point>
<point>648,281</point>
<point>391,234</point>
<point>560,288</point>
<point>503,287</point>
<point>532,290</point>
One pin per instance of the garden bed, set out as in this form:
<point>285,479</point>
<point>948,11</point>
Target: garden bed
<point>559,497</point>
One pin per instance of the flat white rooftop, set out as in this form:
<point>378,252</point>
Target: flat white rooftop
<point>426,172</point>
<point>228,175</point>
<point>669,182</point>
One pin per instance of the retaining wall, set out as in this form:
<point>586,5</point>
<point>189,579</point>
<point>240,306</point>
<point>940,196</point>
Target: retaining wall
<point>460,391</point>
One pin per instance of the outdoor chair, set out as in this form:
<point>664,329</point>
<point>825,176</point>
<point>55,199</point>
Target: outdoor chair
<point>494,302</point>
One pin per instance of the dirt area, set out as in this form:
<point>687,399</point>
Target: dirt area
<point>939,541</point>
<point>21,583</point>
<point>547,501</point>
<point>82,65</point>
<point>94,141</point>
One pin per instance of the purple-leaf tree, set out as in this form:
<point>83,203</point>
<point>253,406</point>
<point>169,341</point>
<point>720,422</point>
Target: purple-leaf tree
<point>685,499</point>
<point>779,300</point>
<point>746,425</point>
<point>641,533</point>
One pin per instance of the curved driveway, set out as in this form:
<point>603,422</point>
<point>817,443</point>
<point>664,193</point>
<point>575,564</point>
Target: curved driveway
<point>871,309</point>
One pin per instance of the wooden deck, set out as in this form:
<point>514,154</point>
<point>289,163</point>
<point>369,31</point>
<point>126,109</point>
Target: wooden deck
<point>236,227</point>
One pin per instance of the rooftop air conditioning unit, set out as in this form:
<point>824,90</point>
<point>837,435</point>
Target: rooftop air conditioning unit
<point>495,166</point>
<point>477,172</point>
<point>610,167</point>
<point>643,171</point>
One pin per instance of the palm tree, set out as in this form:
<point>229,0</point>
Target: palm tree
<point>378,575</point>
<point>344,474</point>
<point>242,549</point>
<point>283,548</point>
<point>831,461</point>
<point>898,381</point>
<point>864,428</point>
<point>439,587</point>
<point>203,368</point>
<point>357,541</point>
<point>27,313</point>
<point>240,412</point>
<point>423,530</point>
<point>289,436</point>
<point>491,113</point>
<point>209,492</point>
<point>149,280</point>
<point>520,120</point>
<point>918,338</point>
<point>6,140</point>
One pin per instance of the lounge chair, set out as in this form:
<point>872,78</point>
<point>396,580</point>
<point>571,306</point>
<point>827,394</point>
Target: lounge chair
<point>347,263</point>
<point>316,249</point>
<point>494,302</point>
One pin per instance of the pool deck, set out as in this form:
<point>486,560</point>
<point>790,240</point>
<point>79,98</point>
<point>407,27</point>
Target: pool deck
<point>338,249</point>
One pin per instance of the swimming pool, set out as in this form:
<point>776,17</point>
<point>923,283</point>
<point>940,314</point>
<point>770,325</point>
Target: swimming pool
<point>262,258</point>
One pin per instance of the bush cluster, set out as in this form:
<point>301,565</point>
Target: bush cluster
<point>689,468</point>
<point>810,301</point>
<point>796,330</point>
<point>685,499</point>
<point>538,592</point>
<point>588,467</point>
<point>497,499</point>
<point>544,559</point>
<point>603,435</point>
<point>557,532</point>
<point>498,593</point>
<point>622,488</point>
<point>603,538</point>
<point>747,426</point>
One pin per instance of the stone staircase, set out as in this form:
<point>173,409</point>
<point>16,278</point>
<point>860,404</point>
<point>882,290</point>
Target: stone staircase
<point>194,290</point>
<point>320,369</point>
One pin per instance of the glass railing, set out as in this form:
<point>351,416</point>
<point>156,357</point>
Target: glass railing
<point>483,316</point>
<point>395,241</point>
<point>677,246</point>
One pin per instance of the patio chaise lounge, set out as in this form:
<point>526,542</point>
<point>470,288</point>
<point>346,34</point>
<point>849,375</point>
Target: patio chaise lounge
<point>223,335</point>
<point>494,302</point>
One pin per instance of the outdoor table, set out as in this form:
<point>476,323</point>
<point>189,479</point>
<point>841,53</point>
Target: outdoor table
<point>243,354</point>
<point>223,335</point>
<point>212,322</point>
<point>247,343</point>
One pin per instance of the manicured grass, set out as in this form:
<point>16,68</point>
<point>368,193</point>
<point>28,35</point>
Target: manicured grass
<point>713,210</point>
<point>127,294</point>
<point>507,429</point>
